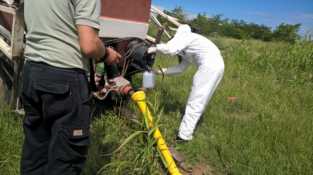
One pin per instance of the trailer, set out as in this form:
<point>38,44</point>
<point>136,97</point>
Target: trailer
<point>11,47</point>
<point>127,32</point>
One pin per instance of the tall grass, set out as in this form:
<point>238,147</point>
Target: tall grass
<point>111,154</point>
<point>10,141</point>
<point>267,129</point>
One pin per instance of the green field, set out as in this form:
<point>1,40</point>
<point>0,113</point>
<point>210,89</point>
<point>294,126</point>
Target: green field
<point>267,129</point>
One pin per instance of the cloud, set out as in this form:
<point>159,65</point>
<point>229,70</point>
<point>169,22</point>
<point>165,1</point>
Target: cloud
<point>191,16</point>
<point>303,17</point>
<point>159,7</point>
<point>306,16</point>
<point>262,14</point>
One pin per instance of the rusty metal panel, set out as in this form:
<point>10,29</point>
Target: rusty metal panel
<point>7,16</point>
<point>6,20</point>
<point>133,10</point>
<point>127,18</point>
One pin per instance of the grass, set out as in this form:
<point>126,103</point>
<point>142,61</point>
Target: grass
<point>266,130</point>
<point>10,141</point>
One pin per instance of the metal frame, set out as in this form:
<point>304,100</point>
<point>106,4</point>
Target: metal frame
<point>153,17</point>
<point>14,51</point>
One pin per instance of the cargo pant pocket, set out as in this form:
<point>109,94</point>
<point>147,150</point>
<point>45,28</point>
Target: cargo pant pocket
<point>56,97</point>
<point>72,147</point>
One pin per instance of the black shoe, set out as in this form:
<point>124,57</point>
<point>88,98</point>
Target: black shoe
<point>180,140</point>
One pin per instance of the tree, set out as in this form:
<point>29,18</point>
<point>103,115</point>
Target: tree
<point>179,13</point>
<point>286,32</point>
<point>201,22</point>
<point>217,25</point>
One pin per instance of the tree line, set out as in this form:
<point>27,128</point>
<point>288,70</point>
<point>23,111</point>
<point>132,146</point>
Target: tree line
<point>239,29</point>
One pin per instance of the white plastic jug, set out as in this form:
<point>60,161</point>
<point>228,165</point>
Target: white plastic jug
<point>148,80</point>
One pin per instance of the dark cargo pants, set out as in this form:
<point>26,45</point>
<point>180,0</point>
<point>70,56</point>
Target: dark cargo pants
<point>57,120</point>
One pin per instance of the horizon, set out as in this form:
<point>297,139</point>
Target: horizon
<point>254,11</point>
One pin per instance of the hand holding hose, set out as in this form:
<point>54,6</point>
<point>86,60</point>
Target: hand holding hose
<point>118,84</point>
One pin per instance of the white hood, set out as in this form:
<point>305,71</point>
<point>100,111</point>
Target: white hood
<point>183,29</point>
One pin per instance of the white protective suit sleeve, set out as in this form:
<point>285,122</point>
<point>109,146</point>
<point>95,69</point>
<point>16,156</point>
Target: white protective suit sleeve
<point>174,70</point>
<point>178,43</point>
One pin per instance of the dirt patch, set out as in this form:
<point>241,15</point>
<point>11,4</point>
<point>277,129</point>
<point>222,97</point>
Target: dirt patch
<point>185,169</point>
<point>203,169</point>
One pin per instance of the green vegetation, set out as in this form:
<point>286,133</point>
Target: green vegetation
<point>218,26</point>
<point>11,141</point>
<point>266,129</point>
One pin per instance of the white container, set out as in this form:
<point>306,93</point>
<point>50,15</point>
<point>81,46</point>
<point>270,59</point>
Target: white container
<point>148,80</point>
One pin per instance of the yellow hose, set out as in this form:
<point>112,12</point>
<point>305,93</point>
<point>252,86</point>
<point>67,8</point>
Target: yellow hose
<point>140,99</point>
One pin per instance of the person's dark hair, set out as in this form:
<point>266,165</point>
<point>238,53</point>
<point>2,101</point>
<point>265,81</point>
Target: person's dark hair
<point>195,30</point>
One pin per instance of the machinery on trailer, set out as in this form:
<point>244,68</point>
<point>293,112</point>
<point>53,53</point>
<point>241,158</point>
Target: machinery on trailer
<point>124,26</point>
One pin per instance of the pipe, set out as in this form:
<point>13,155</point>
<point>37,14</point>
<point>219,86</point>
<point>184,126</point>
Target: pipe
<point>167,17</point>
<point>139,98</point>
<point>157,22</point>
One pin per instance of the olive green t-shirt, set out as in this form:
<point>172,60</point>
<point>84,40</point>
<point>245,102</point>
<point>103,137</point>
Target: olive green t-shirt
<point>51,30</point>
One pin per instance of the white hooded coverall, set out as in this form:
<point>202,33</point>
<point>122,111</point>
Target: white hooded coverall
<point>198,49</point>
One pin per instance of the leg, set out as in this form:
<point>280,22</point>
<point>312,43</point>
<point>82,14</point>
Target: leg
<point>35,149</point>
<point>70,130</point>
<point>57,120</point>
<point>204,84</point>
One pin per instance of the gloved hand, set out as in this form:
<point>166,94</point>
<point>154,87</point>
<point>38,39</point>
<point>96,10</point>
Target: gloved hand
<point>120,85</point>
<point>151,50</point>
<point>102,92</point>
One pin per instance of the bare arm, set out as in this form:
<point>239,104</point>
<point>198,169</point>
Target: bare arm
<point>92,47</point>
<point>175,70</point>
<point>90,44</point>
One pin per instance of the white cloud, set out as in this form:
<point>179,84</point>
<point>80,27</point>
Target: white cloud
<point>191,16</point>
<point>159,7</point>
<point>307,17</point>
<point>262,14</point>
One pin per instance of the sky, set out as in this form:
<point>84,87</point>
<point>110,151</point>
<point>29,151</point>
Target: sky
<point>268,12</point>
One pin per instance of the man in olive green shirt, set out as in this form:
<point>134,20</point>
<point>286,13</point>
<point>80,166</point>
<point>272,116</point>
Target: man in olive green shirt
<point>61,36</point>
<point>52,35</point>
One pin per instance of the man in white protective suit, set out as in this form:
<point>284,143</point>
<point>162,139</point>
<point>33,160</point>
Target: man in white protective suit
<point>194,48</point>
